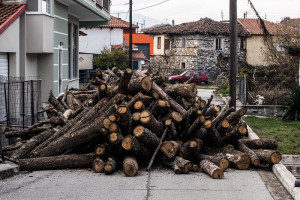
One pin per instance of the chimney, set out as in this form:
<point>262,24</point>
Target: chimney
<point>173,23</point>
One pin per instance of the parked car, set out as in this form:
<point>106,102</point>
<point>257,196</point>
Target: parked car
<point>185,76</point>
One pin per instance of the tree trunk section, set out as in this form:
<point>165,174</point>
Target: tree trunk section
<point>98,165</point>
<point>260,143</point>
<point>253,156</point>
<point>130,166</point>
<point>267,156</point>
<point>146,136</point>
<point>211,169</point>
<point>220,161</point>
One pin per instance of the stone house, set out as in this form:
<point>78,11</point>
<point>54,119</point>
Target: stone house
<point>200,45</point>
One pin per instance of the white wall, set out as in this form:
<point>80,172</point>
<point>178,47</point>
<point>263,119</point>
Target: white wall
<point>97,39</point>
<point>32,65</point>
<point>85,61</point>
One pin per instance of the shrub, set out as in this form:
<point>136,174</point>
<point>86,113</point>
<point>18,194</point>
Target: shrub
<point>292,110</point>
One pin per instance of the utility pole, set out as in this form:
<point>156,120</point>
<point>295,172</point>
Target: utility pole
<point>130,35</point>
<point>233,52</point>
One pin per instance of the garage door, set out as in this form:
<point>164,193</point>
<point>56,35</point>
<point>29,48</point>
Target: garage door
<point>3,64</point>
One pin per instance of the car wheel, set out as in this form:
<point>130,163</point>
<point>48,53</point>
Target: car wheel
<point>176,81</point>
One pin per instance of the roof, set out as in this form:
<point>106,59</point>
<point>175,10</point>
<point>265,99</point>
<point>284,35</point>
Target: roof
<point>203,26</point>
<point>156,26</point>
<point>116,23</point>
<point>253,26</point>
<point>138,55</point>
<point>8,14</point>
<point>81,33</point>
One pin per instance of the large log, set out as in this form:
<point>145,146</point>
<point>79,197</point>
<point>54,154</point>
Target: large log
<point>267,156</point>
<point>163,95</point>
<point>110,166</point>
<point>57,162</point>
<point>140,84</point>
<point>219,160</point>
<point>211,169</point>
<point>132,144</point>
<point>57,105</point>
<point>98,165</point>
<point>243,148</point>
<point>170,148</point>
<point>182,90</point>
<point>185,166</point>
<point>150,122</point>
<point>260,143</point>
<point>130,166</point>
<point>146,136</point>
<point>30,144</point>
<point>123,85</point>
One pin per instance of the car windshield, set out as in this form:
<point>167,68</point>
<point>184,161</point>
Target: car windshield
<point>182,73</point>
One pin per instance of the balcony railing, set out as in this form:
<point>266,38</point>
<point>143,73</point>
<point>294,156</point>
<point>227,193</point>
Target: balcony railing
<point>103,4</point>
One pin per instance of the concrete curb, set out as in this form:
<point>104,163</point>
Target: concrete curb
<point>287,179</point>
<point>8,169</point>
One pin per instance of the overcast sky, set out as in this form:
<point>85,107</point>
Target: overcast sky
<point>191,10</point>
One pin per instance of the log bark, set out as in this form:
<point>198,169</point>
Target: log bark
<point>116,138</point>
<point>146,136</point>
<point>198,123</point>
<point>98,165</point>
<point>163,95</point>
<point>57,162</point>
<point>147,119</point>
<point>260,143</point>
<point>253,156</point>
<point>211,169</point>
<point>30,144</point>
<point>130,166</point>
<point>170,148</point>
<point>110,166</point>
<point>182,90</point>
<point>219,160</point>
<point>267,156</point>
<point>195,145</point>
<point>123,85</point>
<point>124,119</point>
<point>185,166</point>
<point>235,116</point>
<point>207,105</point>
<point>140,84</point>
<point>132,144</point>
<point>55,103</point>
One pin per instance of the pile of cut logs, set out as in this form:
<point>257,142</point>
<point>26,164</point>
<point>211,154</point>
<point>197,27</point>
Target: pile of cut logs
<point>141,121</point>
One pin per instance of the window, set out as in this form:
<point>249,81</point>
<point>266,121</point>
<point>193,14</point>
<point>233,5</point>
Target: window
<point>218,44</point>
<point>69,50</point>
<point>197,74</point>
<point>167,44</point>
<point>188,74</point>
<point>46,7</point>
<point>75,51</point>
<point>159,43</point>
<point>183,42</point>
<point>183,65</point>
<point>243,43</point>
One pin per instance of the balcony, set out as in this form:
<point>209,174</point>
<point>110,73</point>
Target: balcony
<point>103,4</point>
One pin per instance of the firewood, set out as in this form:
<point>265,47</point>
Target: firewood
<point>211,169</point>
<point>123,85</point>
<point>267,156</point>
<point>253,156</point>
<point>56,104</point>
<point>163,94</point>
<point>195,168</point>
<point>132,144</point>
<point>98,165</point>
<point>207,104</point>
<point>146,136</point>
<point>158,107</point>
<point>235,116</point>
<point>140,84</point>
<point>182,90</point>
<point>124,119</point>
<point>147,119</point>
<point>112,118</point>
<point>199,121</point>
<point>172,132</point>
<point>260,143</point>
<point>110,166</point>
<point>114,128</point>
<point>130,166</point>
<point>219,160</point>
<point>185,166</point>
<point>212,111</point>
<point>30,144</point>
<point>170,148</point>
<point>138,106</point>
<point>57,162</point>
<point>195,145</point>
<point>156,150</point>
<point>116,138</point>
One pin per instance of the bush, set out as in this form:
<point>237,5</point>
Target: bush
<point>108,59</point>
<point>292,110</point>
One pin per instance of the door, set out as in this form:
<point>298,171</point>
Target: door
<point>3,64</point>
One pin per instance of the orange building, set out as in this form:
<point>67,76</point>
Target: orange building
<point>144,43</point>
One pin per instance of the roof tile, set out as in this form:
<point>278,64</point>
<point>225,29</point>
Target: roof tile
<point>253,26</point>
<point>116,23</point>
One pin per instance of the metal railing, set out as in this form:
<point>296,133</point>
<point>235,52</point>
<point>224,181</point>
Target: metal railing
<point>20,101</point>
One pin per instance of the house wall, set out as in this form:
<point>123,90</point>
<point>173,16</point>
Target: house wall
<point>85,61</point>
<point>39,33</point>
<point>98,39</point>
<point>160,51</point>
<point>199,53</point>
<point>10,43</point>
<point>141,39</point>
<point>256,51</point>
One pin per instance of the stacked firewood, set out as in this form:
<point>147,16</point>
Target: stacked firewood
<point>140,121</point>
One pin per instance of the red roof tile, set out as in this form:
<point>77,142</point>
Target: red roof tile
<point>8,14</point>
<point>253,26</point>
<point>138,55</point>
<point>204,26</point>
<point>116,23</point>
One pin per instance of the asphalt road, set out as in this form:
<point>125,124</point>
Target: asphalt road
<point>159,184</point>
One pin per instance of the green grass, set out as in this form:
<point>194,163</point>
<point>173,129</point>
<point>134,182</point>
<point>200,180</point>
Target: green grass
<point>287,133</point>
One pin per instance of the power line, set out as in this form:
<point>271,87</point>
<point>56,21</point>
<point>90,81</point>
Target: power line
<point>145,7</point>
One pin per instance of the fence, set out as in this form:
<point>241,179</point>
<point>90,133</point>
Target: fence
<point>20,101</point>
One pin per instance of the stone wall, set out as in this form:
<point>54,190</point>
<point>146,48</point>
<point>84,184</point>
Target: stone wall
<point>199,53</point>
